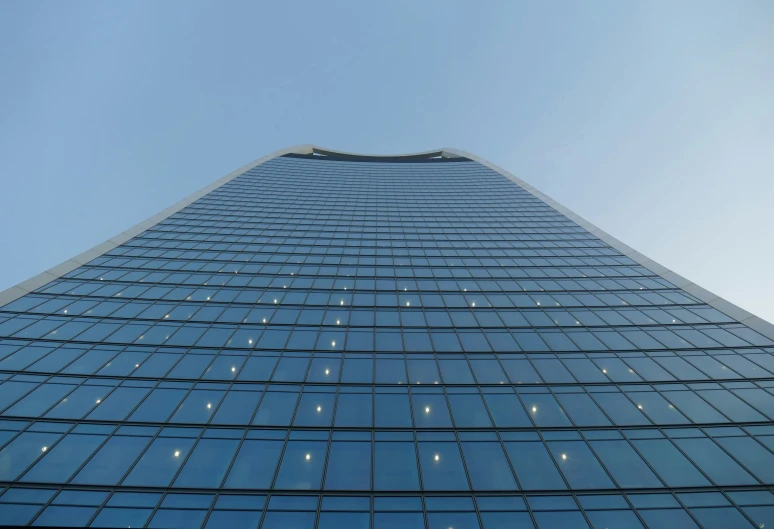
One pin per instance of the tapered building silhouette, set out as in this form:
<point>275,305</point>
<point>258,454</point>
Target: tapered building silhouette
<point>328,340</point>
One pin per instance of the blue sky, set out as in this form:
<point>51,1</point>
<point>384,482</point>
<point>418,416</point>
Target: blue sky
<point>653,120</point>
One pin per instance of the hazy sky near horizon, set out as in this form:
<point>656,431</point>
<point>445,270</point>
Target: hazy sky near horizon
<point>653,120</point>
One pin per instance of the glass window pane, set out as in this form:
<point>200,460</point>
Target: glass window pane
<point>284,520</point>
<point>395,466</point>
<point>423,372</point>
<point>237,408</point>
<point>337,520</point>
<point>469,411</point>
<point>207,464</point>
<point>121,517</point>
<point>54,514</point>
<point>160,462</point>
<point>430,411</point>
<point>582,410</point>
<point>752,455</point>
<point>579,465</point>
<point>349,466</point>
<point>59,463</point>
<point>112,461</point>
<point>255,465</point>
<point>487,466</point>
<point>488,371</point>
<point>174,518</point>
<point>721,518</point>
<point>506,410</point>
<point>392,411</point>
<point>456,372</point>
<point>390,371</point>
<point>276,408</point>
<point>669,463</point>
<point>17,455</point>
<point>158,406</point>
<point>668,518</point>
<point>714,462</point>
<point>302,465</point>
<point>315,409</point>
<point>79,402</point>
<point>533,465</point>
<point>544,410</point>
<point>560,520</point>
<point>626,467</point>
<point>605,519</point>
<point>441,466</point>
<point>444,520</point>
<point>233,519</point>
<point>353,409</point>
<point>404,520</point>
<point>620,409</point>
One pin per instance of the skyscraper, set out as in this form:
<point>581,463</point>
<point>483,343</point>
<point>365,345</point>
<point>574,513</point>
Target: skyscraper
<point>327,340</point>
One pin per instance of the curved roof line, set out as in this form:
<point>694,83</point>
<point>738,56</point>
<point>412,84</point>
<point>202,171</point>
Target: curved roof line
<point>344,155</point>
<point>736,312</point>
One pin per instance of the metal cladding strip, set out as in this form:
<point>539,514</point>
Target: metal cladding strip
<point>728,308</point>
<point>739,314</point>
<point>25,287</point>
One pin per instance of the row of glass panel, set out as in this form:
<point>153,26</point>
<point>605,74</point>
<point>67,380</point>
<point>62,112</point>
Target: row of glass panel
<point>168,235</point>
<point>581,267</point>
<point>213,311</point>
<point>384,368</point>
<point>227,212</point>
<point>422,253</point>
<point>294,194</point>
<point>220,227</point>
<point>285,202</point>
<point>381,461</point>
<point>222,219</point>
<point>307,278</point>
<point>713,510</point>
<point>487,234</point>
<point>526,224</point>
<point>283,250</point>
<point>365,299</point>
<point>238,216</point>
<point>233,211</point>
<point>356,317</point>
<point>349,255</point>
<point>504,230</point>
<point>172,311</point>
<point>298,276</point>
<point>382,406</point>
<point>401,270</point>
<point>258,226</point>
<point>332,338</point>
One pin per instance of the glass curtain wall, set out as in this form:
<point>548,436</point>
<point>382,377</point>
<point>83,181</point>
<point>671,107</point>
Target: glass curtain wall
<point>327,343</point>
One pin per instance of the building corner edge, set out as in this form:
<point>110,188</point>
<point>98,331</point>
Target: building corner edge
<point>739,314</point>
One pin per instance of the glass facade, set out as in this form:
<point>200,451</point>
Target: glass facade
<point>325,342</point>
